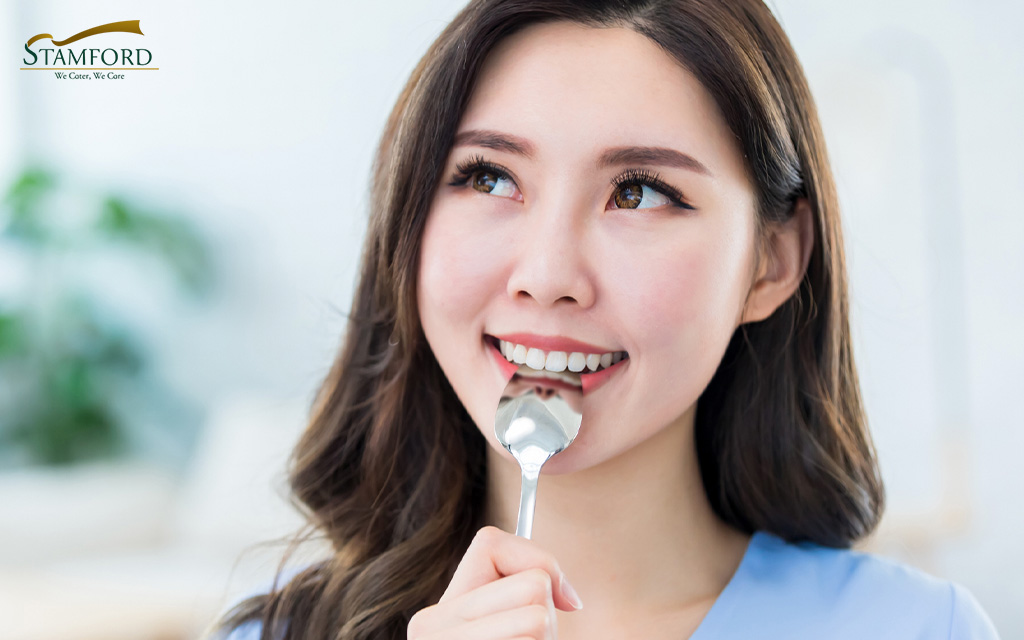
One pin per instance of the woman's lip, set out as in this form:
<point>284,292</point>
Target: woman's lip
<point>508,369</point>
<point>553,343</point>
<point>591,381</point>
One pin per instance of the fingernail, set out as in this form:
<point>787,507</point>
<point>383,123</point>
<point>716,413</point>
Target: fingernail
<point>570,593</point>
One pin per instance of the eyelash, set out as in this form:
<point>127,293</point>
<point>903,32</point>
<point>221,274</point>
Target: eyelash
<point>652,180</point>
<point>465,170</point>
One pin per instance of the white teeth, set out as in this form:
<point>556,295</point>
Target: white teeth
<point>519,354</point>
<point>557,361</point>
<point>535,358</point>
<point>577,362</point>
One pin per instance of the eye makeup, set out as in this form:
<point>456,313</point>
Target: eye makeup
<point>466,169</point>
<point>640,177</point>
<point>652,180</point>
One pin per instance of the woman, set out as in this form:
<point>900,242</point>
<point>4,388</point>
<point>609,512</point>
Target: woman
<point>644,182</point>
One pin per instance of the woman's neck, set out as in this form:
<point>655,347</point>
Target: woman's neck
<point>633,534</point>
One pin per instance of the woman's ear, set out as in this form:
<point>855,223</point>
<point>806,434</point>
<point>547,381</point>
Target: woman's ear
<point>783,266</point>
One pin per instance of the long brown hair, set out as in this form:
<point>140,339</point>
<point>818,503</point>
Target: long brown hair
<point>392,470</point>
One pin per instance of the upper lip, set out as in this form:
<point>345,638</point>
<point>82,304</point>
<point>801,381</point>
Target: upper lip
<point>553,343</point>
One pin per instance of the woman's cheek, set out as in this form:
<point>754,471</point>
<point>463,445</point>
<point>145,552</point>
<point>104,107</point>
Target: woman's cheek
<point>664,294</point>
<point>459,260</point>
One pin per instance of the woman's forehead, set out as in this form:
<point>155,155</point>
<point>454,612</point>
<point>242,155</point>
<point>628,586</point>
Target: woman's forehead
<point>573,89</point>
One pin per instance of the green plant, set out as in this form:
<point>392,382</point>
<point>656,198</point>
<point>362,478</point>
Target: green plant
<point>69,364</point>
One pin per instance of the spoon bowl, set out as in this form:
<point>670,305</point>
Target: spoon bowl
<point>537,418</point>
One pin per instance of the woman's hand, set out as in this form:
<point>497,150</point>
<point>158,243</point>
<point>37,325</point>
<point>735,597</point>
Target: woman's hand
<point>504,588</point>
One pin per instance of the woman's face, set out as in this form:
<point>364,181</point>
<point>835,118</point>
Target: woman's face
<point>594,194</point>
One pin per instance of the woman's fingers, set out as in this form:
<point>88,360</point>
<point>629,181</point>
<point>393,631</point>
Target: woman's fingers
<point>530,588</point>
<point>495,554</point>
<point>504,588</point>
<point>535,622</point>
<point>523,589</point>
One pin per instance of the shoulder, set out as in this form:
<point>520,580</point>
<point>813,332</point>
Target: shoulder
<point>842,593</point>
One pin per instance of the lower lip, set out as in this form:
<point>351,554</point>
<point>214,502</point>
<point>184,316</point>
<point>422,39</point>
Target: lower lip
<point>591,381</point>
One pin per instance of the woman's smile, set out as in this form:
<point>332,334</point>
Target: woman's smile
<point>555,369</point>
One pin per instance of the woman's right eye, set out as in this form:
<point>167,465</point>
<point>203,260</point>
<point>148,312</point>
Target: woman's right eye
<point>493,183</point>
<point>486,178</point>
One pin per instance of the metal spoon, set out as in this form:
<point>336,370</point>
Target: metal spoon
<point>536,419</point>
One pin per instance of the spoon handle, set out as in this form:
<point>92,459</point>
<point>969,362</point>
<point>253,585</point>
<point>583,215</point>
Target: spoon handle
<point>527,501</point>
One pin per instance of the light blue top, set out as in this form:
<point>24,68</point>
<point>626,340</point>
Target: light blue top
<point>809,592</point>
<point>791,591</point>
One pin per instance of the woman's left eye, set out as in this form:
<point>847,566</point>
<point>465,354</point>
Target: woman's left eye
<point>643,189</point>
<point>638,196</point>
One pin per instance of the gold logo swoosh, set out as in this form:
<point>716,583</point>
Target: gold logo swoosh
<point>125,26</point>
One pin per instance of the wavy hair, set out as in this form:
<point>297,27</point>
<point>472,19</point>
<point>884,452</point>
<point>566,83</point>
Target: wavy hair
<point>391,469</point>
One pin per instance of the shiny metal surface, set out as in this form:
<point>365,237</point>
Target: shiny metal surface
<point>537,417</point>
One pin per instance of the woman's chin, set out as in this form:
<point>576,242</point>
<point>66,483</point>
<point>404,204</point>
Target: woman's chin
<point>578,457</point>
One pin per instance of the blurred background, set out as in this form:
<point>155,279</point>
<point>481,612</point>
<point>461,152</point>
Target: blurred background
<point>178,250</point>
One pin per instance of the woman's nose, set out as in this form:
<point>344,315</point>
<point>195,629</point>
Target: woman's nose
<point>551,262</point>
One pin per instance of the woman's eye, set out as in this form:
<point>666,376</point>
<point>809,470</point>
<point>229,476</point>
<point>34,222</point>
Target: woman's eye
<point>485,177</point>
<point>638,196</point>
<point>493,183</point>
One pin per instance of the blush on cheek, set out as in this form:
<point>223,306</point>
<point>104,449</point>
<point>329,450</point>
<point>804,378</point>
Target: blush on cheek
<point>469,247</point>
<point>671,296</point>
<point>449,274</point>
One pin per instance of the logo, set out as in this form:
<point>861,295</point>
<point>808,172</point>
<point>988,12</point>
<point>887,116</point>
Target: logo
<point>67,64</point>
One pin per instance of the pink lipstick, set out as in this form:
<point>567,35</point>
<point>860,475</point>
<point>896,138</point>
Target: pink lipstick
<point>591,381</point>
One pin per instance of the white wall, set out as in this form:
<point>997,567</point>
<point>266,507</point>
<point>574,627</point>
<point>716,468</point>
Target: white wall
<point>920,105</point>
<point>261,124</point>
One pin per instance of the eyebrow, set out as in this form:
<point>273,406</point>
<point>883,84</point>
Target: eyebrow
<point>661,156</point>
